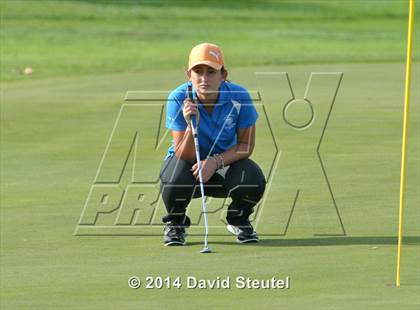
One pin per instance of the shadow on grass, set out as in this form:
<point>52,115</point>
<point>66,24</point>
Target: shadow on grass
<point>324,241</point>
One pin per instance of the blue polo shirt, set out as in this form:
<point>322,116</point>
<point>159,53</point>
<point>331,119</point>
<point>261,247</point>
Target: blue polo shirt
<point>216,131</point>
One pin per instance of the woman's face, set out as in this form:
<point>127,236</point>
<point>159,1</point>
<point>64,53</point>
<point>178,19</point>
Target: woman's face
<point>205,79</point>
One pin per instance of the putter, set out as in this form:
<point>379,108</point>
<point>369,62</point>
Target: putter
<point>206,248</point>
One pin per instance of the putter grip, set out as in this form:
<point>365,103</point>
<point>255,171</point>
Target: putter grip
<point>190,96</point>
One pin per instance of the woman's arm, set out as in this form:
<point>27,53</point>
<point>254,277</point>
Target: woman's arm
<point>183,140</point>
<point>243,149</point>
<point>184,144</point>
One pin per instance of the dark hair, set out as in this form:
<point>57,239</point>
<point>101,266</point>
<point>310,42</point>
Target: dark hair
<point>223,70</point>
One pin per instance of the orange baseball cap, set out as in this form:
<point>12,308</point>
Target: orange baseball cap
<point>206,54</point>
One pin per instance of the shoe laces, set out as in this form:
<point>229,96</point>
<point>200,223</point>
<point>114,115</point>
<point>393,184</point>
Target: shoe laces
<point>175,229</point>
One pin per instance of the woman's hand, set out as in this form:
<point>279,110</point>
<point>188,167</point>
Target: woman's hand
<point>208,168</point>
<point>190,108</point>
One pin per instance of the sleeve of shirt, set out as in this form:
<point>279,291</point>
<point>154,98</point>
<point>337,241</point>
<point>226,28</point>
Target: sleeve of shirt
<point>248,115</point>
<point>174,118</point>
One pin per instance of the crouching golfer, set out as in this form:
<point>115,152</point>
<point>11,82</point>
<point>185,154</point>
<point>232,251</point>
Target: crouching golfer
<point>226,119</point>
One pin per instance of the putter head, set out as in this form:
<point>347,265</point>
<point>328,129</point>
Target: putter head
<point>205,250</point>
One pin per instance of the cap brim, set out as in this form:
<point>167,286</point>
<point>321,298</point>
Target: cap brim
<point>212,64</point>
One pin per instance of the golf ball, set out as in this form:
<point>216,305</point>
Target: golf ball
<point>28,71</point>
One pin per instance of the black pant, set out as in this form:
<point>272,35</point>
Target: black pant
<point>243,181</point>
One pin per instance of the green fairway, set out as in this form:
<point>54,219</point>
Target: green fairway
<point>56,123</point>
<point>60,38</point>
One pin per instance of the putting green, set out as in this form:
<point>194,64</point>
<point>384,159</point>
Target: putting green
<point>54,132</point>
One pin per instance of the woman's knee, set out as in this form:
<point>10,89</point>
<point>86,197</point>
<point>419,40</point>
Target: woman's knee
<point>245,178</point>
<point>177,172</point>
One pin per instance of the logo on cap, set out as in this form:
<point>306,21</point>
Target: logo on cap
<point>214,54</point>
